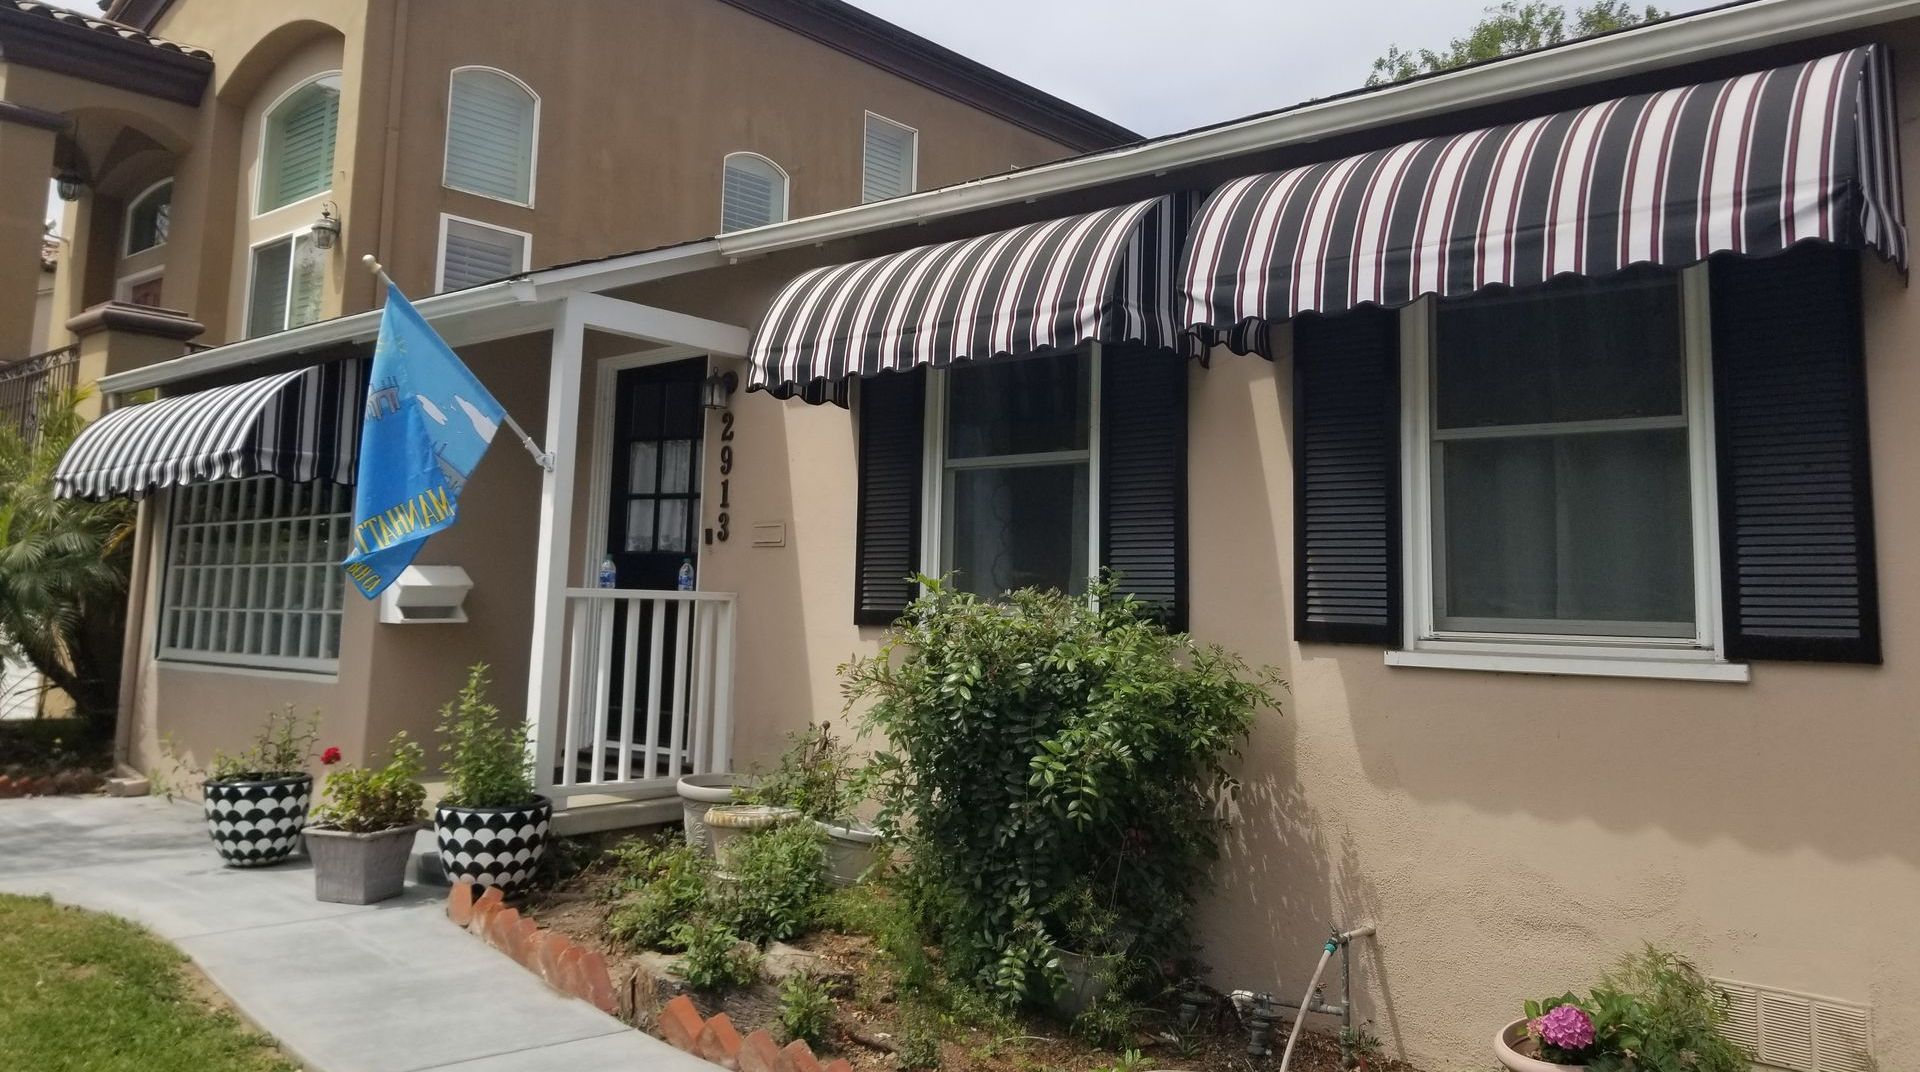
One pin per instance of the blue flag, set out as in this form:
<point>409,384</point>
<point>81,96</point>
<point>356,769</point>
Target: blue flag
<point>428,422</point>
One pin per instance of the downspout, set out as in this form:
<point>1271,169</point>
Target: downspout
<point>135,644</point>
<point>390,155</point>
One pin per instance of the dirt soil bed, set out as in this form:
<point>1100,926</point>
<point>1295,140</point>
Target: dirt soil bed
<point>867,1017</point>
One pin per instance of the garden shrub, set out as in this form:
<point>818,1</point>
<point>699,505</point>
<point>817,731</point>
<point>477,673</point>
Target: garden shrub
<point>715,958</point>
<point>806,1008</point>
<point>667,880</point>
<point>1043,747</point>
<point>779,876</point>
<point>815,776</point>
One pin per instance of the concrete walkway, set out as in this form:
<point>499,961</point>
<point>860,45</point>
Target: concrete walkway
<point>392,987</point>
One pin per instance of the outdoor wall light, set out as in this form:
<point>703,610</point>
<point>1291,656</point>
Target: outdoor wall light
<point>68,184</point>
<point>326,229</point>
<point>720,387</point>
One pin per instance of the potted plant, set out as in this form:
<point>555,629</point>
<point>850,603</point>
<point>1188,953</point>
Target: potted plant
<point>698,793</point>
<point>491,826</point>
<point>817,778</point>
<point>362,832</point>
<point>256,800</point>
<point>1655,1010</point>
<point>1092,951</point>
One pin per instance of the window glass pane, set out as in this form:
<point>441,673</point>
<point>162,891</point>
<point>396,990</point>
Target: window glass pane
<point>490,133</point>
<point>474,254</point>
<point>1575,351</point>
<point>148,219</point>
<point>1566,533</point>
<point>676,466</point>
<point>643,468</point>
<point>307,283</point>
<point>267,309</point>
<point>753,193</point>
<point>1019,407</point>
<point>887,163</point>
<point>673,526</point>
<point>297,144</point>
<point>639,526</point>
<point>1018,527</point>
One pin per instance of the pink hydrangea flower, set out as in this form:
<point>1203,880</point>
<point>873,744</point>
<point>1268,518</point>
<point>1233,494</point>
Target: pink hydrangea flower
<point>1565,1027</point>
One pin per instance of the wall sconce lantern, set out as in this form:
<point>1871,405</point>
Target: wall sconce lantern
<point>720,387</point>
<point>68,184</point>
<point>326,229</point>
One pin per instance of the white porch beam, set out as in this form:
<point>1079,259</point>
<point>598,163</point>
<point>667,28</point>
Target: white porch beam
<point>663,326</point>
<point>555,544</point>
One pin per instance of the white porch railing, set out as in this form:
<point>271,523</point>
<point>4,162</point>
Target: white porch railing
<point>649,693</point>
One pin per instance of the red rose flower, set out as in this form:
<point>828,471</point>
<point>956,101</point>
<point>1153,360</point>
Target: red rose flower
<point>330,756</point>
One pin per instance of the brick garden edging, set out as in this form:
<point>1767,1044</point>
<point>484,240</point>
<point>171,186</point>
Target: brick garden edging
<point>582,973</point>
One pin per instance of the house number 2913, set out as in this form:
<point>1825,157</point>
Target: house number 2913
<point>726,469</point>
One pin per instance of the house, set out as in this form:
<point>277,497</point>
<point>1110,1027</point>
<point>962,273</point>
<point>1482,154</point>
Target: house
<point>1588,578</point>
<point>466,141</point>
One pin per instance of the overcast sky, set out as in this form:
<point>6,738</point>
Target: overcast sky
<point>1160,66</point>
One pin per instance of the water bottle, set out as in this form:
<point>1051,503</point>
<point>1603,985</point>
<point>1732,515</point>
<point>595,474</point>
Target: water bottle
<point>609,577</point>
<point>684,581</point>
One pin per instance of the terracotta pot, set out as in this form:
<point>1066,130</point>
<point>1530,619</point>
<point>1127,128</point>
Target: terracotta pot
<point>256,819</point>
<point>1515,1051</point>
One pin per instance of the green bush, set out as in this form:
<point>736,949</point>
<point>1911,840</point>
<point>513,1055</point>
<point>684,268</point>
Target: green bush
<point>715,958</point>
<point>1044,745</point>
<point>362,800</point>
<point>806,1008</point>
<point>779,876</point>
<point>487,761</point>
<point>283,747</point>
<point>667,885</point>
<point>816,776</point>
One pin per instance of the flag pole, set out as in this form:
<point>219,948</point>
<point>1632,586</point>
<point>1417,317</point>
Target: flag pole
<point>544,459</point>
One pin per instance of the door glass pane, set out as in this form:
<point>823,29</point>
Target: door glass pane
<point>676,466</point>
<point>1576,351</point>
<point>673,525</point>
<point>639,526</point>
<point>1018,527</point>
<point>1019,407</point>
<point>643,461</point>
<point>1568,532</point>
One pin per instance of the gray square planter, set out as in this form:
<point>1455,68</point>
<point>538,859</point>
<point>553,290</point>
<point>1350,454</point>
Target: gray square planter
<point>359,868</point>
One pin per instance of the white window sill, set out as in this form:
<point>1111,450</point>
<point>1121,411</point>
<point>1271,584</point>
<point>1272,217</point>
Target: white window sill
<point>1639,664</point>
<point>327,673</point>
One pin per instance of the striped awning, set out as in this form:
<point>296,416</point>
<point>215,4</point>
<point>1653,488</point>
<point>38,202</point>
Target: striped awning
<point>1751,164</point>
<point>1105,276</point>
<point>301,425</point>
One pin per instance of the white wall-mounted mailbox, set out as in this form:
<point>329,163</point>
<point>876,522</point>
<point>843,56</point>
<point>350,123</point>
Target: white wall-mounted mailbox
<point>426,595</point>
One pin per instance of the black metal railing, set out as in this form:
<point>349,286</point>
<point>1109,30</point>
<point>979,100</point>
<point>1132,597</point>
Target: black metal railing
<point>27,385</point>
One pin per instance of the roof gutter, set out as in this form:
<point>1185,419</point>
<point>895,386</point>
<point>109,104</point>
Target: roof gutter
<point>445,311</point>
<point>1727,31</point>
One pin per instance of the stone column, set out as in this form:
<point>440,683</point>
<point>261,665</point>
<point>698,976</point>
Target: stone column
<point>116,337</point>
<point>26,164</point>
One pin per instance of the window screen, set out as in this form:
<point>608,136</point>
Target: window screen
<point>753,193</point>
<point>887,166</point>
<point>490,136</point>
<point>474,253</point>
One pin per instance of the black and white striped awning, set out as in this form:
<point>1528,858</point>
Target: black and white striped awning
<point>301,425</point>
<point>1105,276</point>
<point>1751,164</point>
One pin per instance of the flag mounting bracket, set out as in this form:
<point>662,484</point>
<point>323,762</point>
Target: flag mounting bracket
<point>542,458</point>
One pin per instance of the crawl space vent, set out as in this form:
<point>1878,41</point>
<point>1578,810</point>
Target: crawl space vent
<point>1796,1031</point>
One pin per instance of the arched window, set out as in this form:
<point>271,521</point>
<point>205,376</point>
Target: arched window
<point>147,217</point>
<point>753,192</point>
<point>296,143</point>
<point>492,121</point>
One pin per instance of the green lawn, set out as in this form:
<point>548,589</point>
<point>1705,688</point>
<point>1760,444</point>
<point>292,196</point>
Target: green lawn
<point>82,991</point>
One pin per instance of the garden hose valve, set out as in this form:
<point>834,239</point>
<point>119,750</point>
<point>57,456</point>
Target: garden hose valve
<point>1260,1027</point>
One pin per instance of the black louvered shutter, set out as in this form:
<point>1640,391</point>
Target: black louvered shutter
<point>1346,478</point>
<point>1143,477</point>
<point>887,541</point>
<point>1796,497</point>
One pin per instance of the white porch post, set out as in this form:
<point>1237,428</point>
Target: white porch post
<point>555,545</point>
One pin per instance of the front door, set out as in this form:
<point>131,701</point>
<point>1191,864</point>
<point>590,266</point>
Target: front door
<point>653,515</point>
<point>655,509</point>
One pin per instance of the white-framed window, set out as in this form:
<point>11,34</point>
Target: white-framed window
<point>753,192</point>
<point>147,218</point>
<point>296,143</point>
<point>285,284</point>
<point>141,288</point>
<point>890,159</point>
<point>472,252</point>
<point>1013,472</point>
<point>493,125</point>
<point>253,575</point>
<point>1559,476</point>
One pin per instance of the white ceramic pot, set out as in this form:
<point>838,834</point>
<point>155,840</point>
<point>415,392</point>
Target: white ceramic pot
<point>1508,1044</point>
<point>852,851</point>
<point>698,792</point>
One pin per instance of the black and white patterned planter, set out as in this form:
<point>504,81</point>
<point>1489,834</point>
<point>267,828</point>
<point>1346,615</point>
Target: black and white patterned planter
<point>493,846</point>
<point>256,820</point>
